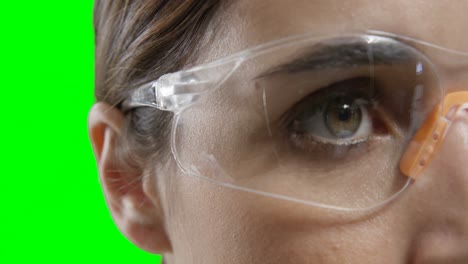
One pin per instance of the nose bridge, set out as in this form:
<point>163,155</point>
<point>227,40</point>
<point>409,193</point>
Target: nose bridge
<point>452,68</point>
<point>456,79</point>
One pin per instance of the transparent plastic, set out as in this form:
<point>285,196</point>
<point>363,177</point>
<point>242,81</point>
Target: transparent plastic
<point>321,120</point>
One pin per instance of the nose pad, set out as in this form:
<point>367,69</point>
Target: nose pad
<point>451,158</point>
<point>449,118</point>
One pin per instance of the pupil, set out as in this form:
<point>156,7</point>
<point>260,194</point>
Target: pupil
<point>345,113</point>
<point>343,117</point>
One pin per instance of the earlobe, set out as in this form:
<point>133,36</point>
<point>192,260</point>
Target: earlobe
<point>134,209</point>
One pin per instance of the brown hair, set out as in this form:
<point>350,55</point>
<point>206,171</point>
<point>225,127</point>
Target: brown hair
<point>136,42</point>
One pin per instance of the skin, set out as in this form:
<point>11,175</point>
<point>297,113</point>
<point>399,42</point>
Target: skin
<point>193,221</point>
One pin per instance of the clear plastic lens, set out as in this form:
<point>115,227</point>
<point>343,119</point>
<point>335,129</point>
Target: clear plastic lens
<point>321,120</point>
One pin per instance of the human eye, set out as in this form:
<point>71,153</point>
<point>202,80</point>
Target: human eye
<point>345,113</point>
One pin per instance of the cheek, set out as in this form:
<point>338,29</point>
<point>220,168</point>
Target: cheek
<point>221,225</point>
<point>216,224</point>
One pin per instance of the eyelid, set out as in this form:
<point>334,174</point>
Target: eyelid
<point>340,88</point>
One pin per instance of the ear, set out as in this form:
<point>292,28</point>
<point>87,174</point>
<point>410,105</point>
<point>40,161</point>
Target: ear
<point>132,200</point>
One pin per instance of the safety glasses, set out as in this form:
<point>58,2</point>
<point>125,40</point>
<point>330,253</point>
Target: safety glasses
<point>345,122</point>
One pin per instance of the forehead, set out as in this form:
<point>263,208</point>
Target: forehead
<point>246,23</point>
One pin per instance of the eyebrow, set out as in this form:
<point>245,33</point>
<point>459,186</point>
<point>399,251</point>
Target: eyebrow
<point>346,53</point>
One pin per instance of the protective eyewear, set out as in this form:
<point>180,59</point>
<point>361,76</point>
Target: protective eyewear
<point>345,122</point>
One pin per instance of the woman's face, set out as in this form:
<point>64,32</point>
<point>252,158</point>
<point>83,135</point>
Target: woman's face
<point>428,223</point>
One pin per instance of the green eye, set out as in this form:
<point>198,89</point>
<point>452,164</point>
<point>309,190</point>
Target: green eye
<point>343,117</point>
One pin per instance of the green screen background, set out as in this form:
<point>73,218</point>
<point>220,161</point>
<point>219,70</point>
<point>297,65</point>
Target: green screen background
<point>52,207</point>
